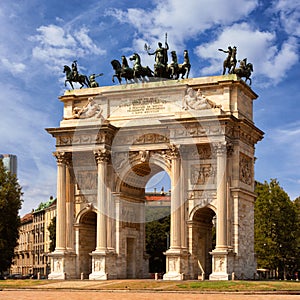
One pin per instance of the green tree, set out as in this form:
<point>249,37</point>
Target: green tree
<point>297,208</point>
<point>275,227</point>
<point>157,238</point>
<point>10,204</point>
<point>52,234</point>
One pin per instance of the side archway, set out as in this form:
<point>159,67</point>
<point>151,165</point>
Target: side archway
<point>202,234</point>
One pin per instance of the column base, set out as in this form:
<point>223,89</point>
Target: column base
<point>222,264</point>
<point>62,265</point>
<point>103,265</point>
<point>177,264</point>
<point>98,276</point>
<point>218,276</point>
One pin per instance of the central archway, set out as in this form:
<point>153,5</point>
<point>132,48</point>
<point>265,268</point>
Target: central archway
<point>138,213</point>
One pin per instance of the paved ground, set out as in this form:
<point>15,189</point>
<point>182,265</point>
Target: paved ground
<point>95,295</point>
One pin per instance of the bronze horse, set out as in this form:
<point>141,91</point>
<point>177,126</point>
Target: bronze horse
<point>244,70</point>
<point>81,79</point>
<point>184,69</point>
<point>140,72</point>
<point>121,72</point>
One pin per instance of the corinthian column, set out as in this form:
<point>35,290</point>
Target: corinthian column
<point>221,232</point>
<point>61,202</point>
<point>102,156</point>
<point>175,234</point>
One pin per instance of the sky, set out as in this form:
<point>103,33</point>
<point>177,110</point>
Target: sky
<point>39,37</point>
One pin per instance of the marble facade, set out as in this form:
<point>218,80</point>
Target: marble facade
<point>113,139</point>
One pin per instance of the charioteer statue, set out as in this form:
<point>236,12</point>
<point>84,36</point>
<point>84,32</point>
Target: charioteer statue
<point>169,71</point>
<point>161,59</point>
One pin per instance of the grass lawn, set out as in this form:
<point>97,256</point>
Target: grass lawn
<point>159,285</point>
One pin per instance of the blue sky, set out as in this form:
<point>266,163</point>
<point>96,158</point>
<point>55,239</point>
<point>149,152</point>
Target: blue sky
<point>39,37</point>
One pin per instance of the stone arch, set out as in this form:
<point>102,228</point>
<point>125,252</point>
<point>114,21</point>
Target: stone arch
<point>86,224</point>
<point>136,173</point>
<point>199,206</point>
<point>89,207</point>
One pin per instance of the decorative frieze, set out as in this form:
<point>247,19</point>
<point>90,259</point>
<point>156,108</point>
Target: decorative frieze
<point>151,138</point>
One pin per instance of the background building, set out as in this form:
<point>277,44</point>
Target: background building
<point>23,262</point>
<point>31,254</point>
<point>9,162</point>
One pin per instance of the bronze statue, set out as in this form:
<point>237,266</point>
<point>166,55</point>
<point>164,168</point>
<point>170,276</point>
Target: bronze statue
<point>184,69</point>
<point>122,71</point>
<point>140,72</point>
<point>175,70</point>
<point>173,66</point>
<point>93,82</point>
<point>161,59</point>
<point>230,61</point>
<point>73,76</point>
<point>245,69</point>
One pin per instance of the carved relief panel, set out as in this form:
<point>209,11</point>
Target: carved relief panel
<point>246,169</point>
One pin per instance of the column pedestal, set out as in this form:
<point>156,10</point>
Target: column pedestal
<point>62,265</point>
<point>222,265</point>
<point>103,265</point>
<point>176,264</point>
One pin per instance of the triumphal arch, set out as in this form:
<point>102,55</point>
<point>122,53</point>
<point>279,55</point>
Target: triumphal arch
<point>113,139</point>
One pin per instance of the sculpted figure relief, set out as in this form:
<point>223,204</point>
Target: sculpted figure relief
<point>197,101</point>
<point>91,109</point>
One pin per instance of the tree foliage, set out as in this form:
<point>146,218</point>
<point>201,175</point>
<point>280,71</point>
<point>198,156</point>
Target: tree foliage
<point>275,227</point>
<point>157,237</point>
<point>297,208</point>
<point>10,204</point>
<point>52,233</point>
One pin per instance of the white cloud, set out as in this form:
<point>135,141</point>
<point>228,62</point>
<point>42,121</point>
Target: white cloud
<point>86,42</point>
<point>13,67</point>
<point>289,12</point>
<point>54,36</point>
<point>183,22</point>
<point>54,45</point>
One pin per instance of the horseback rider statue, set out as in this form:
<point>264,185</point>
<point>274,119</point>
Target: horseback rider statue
<point>230,61</point>
<point>72,75</point>
<point>244,70</point>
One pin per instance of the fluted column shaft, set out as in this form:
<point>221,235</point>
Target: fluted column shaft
<point>221,232</point>
<point>61,202</point>
<point>102,157</point>
<point>175,234</point>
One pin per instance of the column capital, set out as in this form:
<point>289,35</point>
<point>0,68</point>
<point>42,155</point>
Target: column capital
<point>102,155</point>
<point>172,152</point>
<point>62,157</point>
